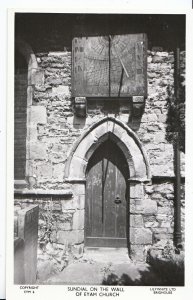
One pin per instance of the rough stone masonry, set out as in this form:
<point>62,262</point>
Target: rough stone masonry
<point>52,131</point>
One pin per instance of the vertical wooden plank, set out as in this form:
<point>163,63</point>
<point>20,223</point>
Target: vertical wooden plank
<point>141,65</point>
<point>90,66</point>
<point>109,195</point>
<point>78,86</point>
<point>121,208</point>
<point>94,201</point>
<point>128,54</point>
<point>96,66</point>
<point>97,200</point>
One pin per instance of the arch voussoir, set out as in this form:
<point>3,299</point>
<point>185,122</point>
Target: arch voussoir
<point>100,130</point>
<point>77,168</point>
<point>85,145</point>
<point>125,138</point>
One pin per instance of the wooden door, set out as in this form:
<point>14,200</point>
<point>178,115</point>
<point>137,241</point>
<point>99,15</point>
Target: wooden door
<point>106,222</point>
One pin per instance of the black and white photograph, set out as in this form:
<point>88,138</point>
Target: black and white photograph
<point>99,149</point>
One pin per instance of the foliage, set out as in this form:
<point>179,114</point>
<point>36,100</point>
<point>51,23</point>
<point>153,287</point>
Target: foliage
<point>47,225</point>
<point>146,278</point>
<point>168,265</point>
<point>176,116</point>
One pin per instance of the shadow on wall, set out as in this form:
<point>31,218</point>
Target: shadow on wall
<point>127,111</point>
<point>19,275</point>
<point>78,122</point>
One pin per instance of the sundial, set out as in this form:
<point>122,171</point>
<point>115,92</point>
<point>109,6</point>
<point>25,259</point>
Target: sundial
<point>109,66</point>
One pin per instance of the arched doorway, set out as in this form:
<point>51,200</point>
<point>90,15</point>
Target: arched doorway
<point>106,206</point>
<point>87,153</point>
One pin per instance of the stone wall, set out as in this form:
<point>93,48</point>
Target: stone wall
<point>54,128</point>
<point>52,131</point>
<point>61,223</point>
<point>61,228</point>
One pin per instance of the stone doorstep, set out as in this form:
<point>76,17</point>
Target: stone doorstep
<point>106,255</point>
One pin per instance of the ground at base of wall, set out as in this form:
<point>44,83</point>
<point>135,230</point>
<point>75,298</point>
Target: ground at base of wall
<point>105,268</point>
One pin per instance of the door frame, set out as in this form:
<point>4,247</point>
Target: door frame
<point>129,143</point>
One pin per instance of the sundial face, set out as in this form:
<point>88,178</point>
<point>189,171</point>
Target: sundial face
<point>96,65</point>
<point>109,66</point>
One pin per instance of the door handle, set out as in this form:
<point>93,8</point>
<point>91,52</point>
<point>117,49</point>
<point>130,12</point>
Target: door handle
<point>117,200</point>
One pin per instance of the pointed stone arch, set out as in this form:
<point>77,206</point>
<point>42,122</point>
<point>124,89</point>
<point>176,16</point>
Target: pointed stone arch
<point>125,138</point>
<point>138,175</point>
